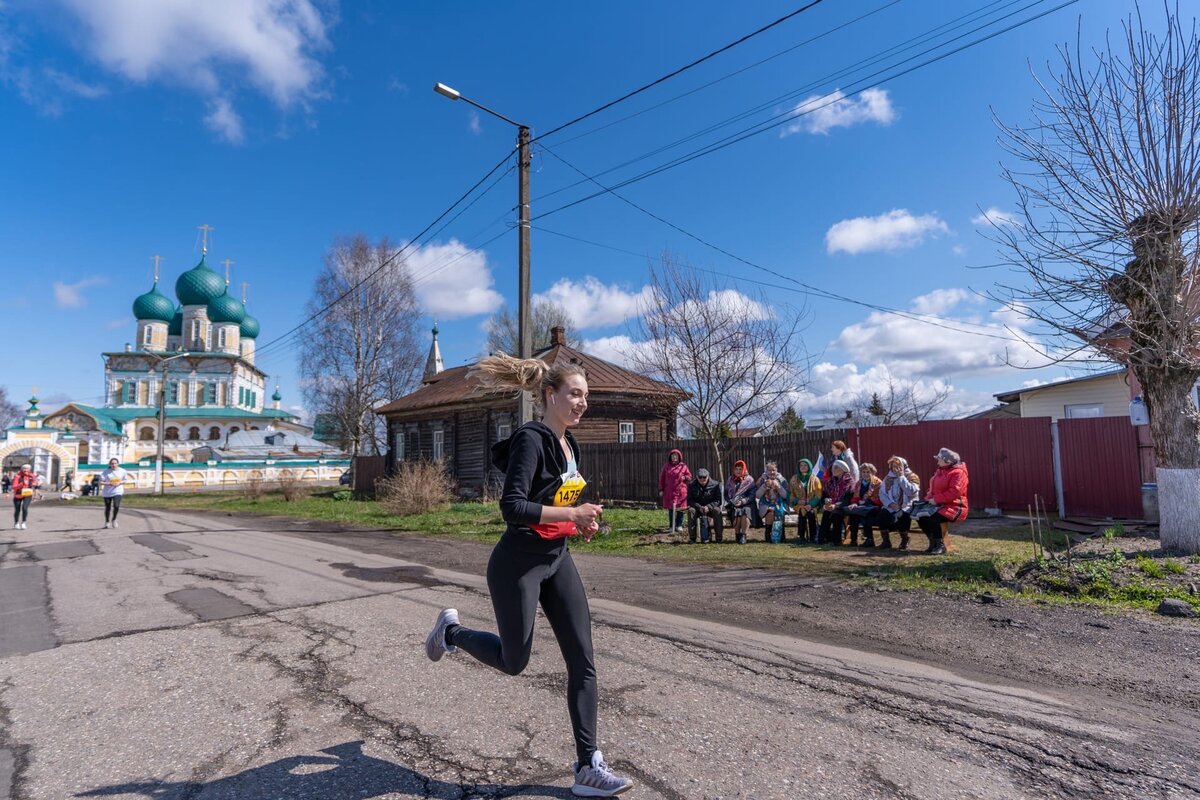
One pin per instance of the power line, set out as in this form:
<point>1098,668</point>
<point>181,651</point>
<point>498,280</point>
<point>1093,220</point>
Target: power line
<point>393,257</point>
<point>681,70</point>
<point>806,288</point>
<point>780,119</point>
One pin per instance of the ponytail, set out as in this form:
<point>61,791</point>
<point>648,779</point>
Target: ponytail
<point>523,374</point>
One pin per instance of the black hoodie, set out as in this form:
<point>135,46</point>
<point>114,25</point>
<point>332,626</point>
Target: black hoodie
<point>533,464</point>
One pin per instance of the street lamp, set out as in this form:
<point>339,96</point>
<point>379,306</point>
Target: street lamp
<point>524,334</point>
<point>162,414</point>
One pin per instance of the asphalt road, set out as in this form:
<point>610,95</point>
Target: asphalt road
<point>193,657</point>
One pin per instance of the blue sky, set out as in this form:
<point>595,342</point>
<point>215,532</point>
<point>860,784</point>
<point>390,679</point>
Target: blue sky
<point>286,123</point>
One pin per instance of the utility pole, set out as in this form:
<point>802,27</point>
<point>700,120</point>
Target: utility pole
<point>162,417</point>
<point>524,323</point>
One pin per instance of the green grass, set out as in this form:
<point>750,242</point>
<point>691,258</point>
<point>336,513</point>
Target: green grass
<point>981,560</point>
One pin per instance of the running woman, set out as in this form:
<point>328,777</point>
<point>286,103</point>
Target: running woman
<point>532,562</point>
<point>24,484</point>
<point>112,489</point>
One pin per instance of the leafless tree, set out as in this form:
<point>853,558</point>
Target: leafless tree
<point>545,314</point>
<point>363,351</point>
<point>739,358</point>
<point>10,412</point>
<point>1108,179</point>
<point>900,401</point>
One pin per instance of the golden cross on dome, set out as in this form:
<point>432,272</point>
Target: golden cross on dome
<point>206,229</point>
<point>156,259</point>
<point>227,262</point>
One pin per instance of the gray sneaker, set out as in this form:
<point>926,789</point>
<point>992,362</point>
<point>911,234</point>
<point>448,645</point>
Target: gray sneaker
<point>435,642</point>
<point>597,780</point>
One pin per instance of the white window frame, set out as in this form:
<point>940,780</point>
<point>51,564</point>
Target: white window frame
<point>503,431</point>
<point>221,338</point>
<point>439,444</point>
<point>399,440</point>
<point>1083,411</point>
<point>195,338</point>
<point>625,432</point>
<point>147,335</point>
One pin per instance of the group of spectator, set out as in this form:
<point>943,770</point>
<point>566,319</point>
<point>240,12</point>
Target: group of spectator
<point>836,502</point>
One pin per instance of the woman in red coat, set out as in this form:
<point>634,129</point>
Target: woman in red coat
<point>672,485</point>
<point>947,488</point>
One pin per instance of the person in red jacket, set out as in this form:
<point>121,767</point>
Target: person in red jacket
<point>672,485</point>
<point>24,483</point>
<point>947,488</point>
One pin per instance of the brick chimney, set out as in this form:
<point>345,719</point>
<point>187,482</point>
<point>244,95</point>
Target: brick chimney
<point>558,336</point>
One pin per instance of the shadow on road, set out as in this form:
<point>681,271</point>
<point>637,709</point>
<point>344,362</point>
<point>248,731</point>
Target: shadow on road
<point>346,774</point>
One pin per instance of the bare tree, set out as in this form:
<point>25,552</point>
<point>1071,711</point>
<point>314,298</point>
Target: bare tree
<point>900,401</point>
<point>1108,179</point>
<point>545,314</point>
<point>737,357</point>
<point>363,351</point>
<point>10,412</point>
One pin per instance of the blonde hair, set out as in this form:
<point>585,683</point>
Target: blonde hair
<point>524,374</point>
<point>867,467</point>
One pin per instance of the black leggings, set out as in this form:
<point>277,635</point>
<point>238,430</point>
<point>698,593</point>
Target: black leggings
<point>112,506</point>
<point>21,509</point>
<point>518,581</point>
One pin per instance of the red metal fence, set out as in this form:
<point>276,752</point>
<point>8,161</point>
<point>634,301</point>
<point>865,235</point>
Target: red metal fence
<point>1010,460</point>
<point>1100,474</point>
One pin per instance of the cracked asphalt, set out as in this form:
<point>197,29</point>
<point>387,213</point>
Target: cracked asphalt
<point>193,657</point>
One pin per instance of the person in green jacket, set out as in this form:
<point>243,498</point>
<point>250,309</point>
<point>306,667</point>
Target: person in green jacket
<point>804,494</point>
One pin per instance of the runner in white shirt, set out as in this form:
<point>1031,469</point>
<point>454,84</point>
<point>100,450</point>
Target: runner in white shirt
<point>112,488</point>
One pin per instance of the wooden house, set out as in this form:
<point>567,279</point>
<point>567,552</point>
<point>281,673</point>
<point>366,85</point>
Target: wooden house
<point>451,418</point>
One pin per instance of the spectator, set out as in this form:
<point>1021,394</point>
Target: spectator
<point>843,453</point>
<point>672,485</point>
<point>804,493</point>
<point>834,496</point>
<point>772,495</point>
<point>896,495</point>
<point>863,503</point>
<point>95,482</point>
<point>5,483</point>
<point>704,503</point>
<point>69,480</point>
<point>739,491</point>
<point>948,489</point>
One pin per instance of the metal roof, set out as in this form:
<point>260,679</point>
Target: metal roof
<point>1008,397</point>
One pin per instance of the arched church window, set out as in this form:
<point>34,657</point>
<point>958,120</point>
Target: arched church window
<point>193,434</point>
<point>146,434</point>
<point>214,433</point>
<point>171,435</point>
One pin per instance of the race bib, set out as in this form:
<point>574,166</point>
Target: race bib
<point>25,493</point>
<point>568,494</point>
<point>114,481</point>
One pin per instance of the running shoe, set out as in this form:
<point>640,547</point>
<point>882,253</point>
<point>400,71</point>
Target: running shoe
<point>115,525</point>
<point>107,525</point>
<point>597,780</point>
<point>435,642</point>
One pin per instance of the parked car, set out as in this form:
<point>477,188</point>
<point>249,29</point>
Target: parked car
<point>347,478</point>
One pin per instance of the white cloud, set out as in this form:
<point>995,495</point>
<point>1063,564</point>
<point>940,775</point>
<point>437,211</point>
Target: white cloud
<point>72,85</point>
<point>70,295</point>
<point>595,304</point>
<point>895,230</point>
<point>473,123</point>
<point>967,343</point>
<point>996,217</point>
<point>397,85</point>
<point>451,280</point>
<point>224,121</point>
<point>823,113</point>
<point>958,250</point>
<point>117,324</point>
<point>619,349</point>
<point>835,388</point>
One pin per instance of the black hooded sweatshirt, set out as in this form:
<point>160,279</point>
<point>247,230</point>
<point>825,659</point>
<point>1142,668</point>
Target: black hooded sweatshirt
<point>533,463</point>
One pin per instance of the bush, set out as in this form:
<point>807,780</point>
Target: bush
<point>342,495</point>
<point>418,487</point>
<point>292,486</point>
<point>252,489</point>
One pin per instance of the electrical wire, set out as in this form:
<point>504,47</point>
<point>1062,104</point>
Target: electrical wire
<point>680,70</point>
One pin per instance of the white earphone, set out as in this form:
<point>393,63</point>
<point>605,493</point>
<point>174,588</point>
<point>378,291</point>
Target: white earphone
<point>553,400</point>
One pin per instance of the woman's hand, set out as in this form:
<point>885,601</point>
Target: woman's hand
<point>584,516</point>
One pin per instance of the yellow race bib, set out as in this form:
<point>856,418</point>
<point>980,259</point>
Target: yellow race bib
<point>568,494</point>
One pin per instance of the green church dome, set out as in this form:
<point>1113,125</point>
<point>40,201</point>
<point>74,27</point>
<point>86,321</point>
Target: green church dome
<point>277,396</point>
<point>153,305</point>
<point>226,309</point>
<point>175,326</point>
<point>199,285</point>
<point>249,329</point>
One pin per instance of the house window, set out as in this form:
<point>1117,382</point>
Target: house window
<point>210,394</point>
<point>624,432</point>
<point>398,445</point>
<point>173,393</point>
<point>439,440</point>
<point>1085,411</point>
<point>193,434</point>
<point>214,433</point>
<point>503,431</point>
